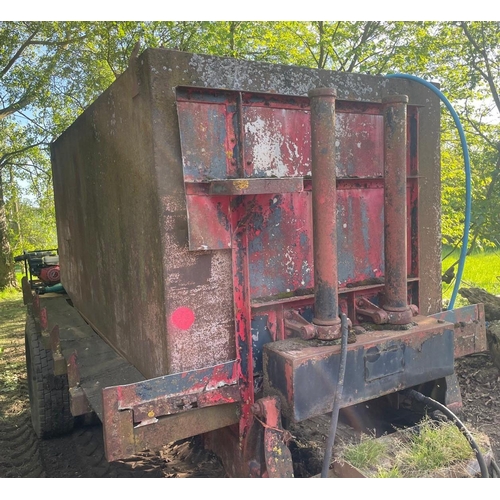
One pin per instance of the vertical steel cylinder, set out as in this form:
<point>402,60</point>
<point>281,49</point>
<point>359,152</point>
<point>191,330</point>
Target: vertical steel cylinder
<point>324,205</point>
<point>395,244</point>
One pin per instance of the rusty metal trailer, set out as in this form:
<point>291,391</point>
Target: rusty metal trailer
<point>216,219</point>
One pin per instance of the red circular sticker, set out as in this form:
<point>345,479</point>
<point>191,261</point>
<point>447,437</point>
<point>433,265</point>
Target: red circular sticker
<point>182,318</point>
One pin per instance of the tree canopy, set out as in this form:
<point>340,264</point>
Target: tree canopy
<point>51,71</point>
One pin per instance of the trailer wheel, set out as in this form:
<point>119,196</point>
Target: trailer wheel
<point>49,393</point>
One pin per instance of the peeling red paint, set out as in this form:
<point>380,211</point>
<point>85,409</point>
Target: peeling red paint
<point>43,319</point>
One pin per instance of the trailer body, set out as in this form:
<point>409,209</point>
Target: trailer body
<point>214,216</point>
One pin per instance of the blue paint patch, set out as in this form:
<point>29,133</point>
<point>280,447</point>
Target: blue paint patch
<point>304,240</point>
<point>260,336</point>
<point>345,248</point>
<point>204,151</point>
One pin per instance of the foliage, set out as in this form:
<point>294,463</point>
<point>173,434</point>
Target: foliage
<point>51,71</point>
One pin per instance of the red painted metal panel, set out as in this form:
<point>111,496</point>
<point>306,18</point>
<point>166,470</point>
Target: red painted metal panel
<point>359,145</point>
<point>360,231</point>
<point>209,225</point>
<point>280,238</point>
<point>280,244</point>
<point>208,140</point>
<point>277,142</point>
<point>274,139</point>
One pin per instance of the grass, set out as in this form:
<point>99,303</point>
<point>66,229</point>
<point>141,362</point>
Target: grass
<point>482,270</point>
<point>434,449</point>
<point>367,452</point>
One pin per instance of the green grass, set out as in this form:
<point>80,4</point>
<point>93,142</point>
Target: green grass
<point>482,270</point>
<point>369,451</point>
<point>10,294</point>
<point>432,449</point>
<point>388,473</point>
<point>435,447</point>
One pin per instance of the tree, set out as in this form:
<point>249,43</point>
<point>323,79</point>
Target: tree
<point>28,60</point>
<point>51,71</point>
<point>483,57</point>
<point>466,58</point>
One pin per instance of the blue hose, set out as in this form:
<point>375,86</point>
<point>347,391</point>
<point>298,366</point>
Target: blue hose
<point>465,149</point>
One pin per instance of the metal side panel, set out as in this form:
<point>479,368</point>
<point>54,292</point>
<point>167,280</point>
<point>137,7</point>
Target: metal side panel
<point>469,327</point>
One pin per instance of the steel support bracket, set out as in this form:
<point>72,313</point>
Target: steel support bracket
<point>469,328</point>
<point>146,414</point>
<point>60,367</point>
<point>299,325</point>
<point>79,404</point>
<point>363,307</point>
<point>27,293</point>
<point>277,454</point>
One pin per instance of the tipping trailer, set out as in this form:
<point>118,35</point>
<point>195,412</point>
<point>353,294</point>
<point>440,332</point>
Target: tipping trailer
<point>222,226</point>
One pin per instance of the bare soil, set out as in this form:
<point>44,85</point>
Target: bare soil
<point>81,454</point>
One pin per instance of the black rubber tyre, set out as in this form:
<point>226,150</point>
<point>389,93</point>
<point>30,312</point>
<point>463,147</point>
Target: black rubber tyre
<point>49,393</point>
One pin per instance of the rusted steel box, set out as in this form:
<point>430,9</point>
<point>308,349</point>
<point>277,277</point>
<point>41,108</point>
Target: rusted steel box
<point>304,374</point>
<point>156,179</point>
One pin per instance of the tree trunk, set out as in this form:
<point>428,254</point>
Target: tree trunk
<point>7,275</point>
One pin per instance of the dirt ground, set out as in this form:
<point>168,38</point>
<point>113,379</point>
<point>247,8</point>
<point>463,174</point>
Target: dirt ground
<point>81,454</point>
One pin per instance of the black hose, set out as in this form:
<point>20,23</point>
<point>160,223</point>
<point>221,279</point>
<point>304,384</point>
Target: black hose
<point>443,409</point>
<point>338,396</point>
<point>495,469</point>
